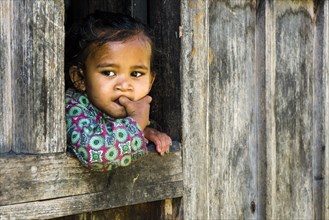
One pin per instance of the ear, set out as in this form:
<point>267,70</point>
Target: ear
<point>77,78</point>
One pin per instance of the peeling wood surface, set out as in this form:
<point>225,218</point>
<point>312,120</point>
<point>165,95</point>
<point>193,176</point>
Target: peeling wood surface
<point>32,89</point>
<point>6,113</point>
<point>45,177</point>
<point>53,186</point>
<point>233,108</point>
<point>194,97</point>
<point>325,69</point>
<point>264,108</point>
<point>293,110</point>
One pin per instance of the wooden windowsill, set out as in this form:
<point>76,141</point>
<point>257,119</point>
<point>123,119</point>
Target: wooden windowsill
<point>48,186</point>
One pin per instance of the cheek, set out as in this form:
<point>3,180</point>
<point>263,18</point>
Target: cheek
<point>142,90</point>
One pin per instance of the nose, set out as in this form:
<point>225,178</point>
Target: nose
<point>123,84</point>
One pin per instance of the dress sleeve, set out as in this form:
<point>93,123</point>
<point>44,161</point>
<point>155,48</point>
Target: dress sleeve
<point>100,143</point>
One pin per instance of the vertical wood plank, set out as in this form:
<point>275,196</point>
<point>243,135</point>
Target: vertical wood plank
<point>318,113</point>
<point>233,107</point>
<point>325,213</point>
<point>269,106</point>
<point>38,77</point>
<point>260,111</point>
<point>5,76</point>
<point>290,145</point>
<point>194,97</point>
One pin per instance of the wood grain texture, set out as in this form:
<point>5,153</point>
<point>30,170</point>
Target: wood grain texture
<point>325,69</point>
<point>233,108</point>
<point>194,97</point>
<point>33,85</point>
<point>6,113</point>
<point>318,165</point>
<point>61,186</point>
<point>45,177</point>
<point>293,111</point>
<point>269,56</point>
<point>266,118</point>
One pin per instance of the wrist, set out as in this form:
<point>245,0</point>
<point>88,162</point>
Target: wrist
<point>141,123</point>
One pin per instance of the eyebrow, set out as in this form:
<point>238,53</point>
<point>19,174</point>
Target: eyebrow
<point>102,65</point>
<point>140,67</point>
<point>106,65</point>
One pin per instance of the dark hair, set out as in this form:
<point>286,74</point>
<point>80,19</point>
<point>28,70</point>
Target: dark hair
<point>100,27</point>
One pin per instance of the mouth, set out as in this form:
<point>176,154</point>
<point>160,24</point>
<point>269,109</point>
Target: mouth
<point>117,102</point>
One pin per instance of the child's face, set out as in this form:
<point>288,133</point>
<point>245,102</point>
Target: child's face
<point>118,69</point>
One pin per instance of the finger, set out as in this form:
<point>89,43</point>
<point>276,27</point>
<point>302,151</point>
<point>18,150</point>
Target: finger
<point>159,149</point>
<point>158,145</point>
<point>148,99</point>
<point>162,143</point>
<point>166,142</point>
<point>124,100</point>
<point>169,144</point>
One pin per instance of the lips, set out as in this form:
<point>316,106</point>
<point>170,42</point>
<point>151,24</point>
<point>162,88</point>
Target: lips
<point>117,102</point>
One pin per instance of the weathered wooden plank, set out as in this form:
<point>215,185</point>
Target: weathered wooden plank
<point>5,76</point>
<point>44,177</point>
<point>194,97</point>
<point>291,93</point>
<point>234,104</point>
<point>114,197</point>
<point>326,106</point>
<point>37,76</point>
<point>318,114</point>
<point>259,206</point>
<point>269,55</point>
<point>269,48</point>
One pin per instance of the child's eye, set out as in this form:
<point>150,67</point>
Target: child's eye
<point>136,74</point>
<point>108,73</point>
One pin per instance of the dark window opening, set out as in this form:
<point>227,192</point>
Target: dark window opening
<point>164,17</point>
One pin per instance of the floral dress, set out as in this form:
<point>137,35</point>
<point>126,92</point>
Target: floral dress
<point>100,142</point>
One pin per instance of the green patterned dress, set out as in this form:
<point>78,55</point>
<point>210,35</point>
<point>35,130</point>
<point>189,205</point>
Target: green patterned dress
<point>100,142</point>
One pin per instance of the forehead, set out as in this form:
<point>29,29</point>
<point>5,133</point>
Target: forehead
<point>138,47</point>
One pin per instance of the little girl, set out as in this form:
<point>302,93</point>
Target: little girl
<point>109,75</point>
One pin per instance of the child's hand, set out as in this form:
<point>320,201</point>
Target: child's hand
<point>138,110</point>
<point>161,140</point>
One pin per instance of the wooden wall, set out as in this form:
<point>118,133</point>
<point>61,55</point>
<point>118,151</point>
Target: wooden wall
<point>32,86</point>
<point>255,109</point>
<point>254,94</point>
